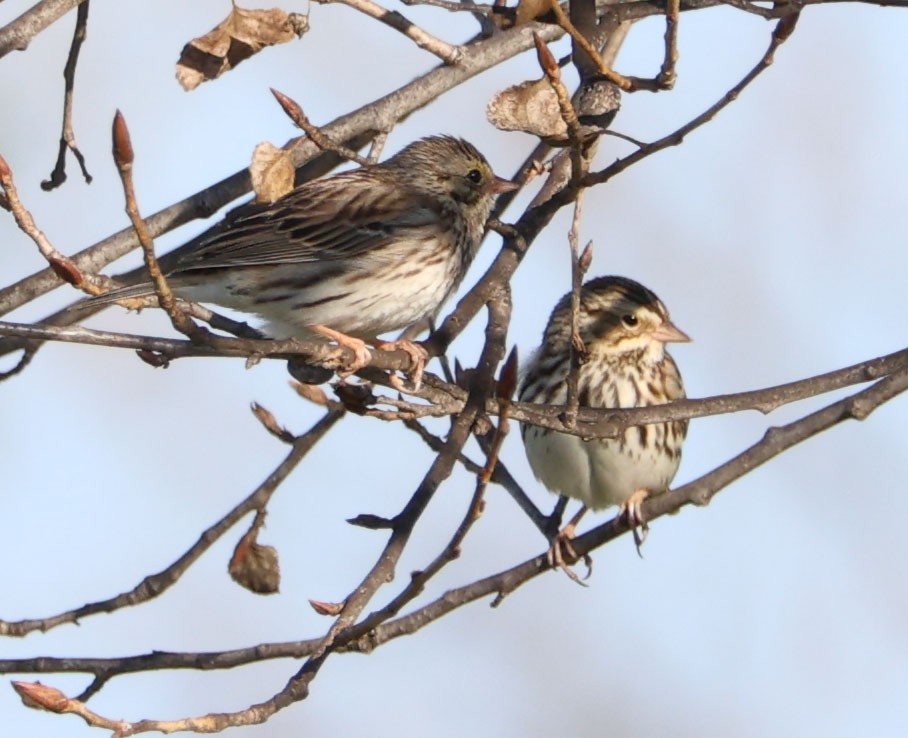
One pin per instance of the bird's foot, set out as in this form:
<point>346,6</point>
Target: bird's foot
<point>561,554</point>
<point>418,356</point>
<point>632,512</point>
<point>361,355</point>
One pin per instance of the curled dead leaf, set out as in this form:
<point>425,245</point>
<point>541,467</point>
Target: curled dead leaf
<point>531,107</point>
<point>272,172</point>
<point>255,566</point>
<point>242,34</point>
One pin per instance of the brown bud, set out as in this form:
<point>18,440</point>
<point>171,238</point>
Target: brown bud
<point>330,609</point>
<point>42,697</point>
<point>786,26</point>
<point>546,59</point>
<point>586,258</point>
<point>290,106</point>
<point>122,145</point>
<point>67,271</point>
<point>267,419</point>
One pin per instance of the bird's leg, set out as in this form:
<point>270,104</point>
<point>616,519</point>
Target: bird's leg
<point>631,510</point>
<point>418,356</point>
<point>561,553</point>
<point>361,355</point>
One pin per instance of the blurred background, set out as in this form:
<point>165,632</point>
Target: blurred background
<point>775,235</point>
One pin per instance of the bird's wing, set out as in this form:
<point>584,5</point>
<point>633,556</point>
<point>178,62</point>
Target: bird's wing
<point>347,216</point>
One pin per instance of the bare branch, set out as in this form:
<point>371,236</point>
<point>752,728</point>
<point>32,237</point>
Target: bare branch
<point>424,40</point>
<point>123,156</point>
<point>155,584</point>
<point>18,33</point>
<point>61,265</point>
<point>355,129</point>
<point>783,30</point>
<point>68,136</point>
<point>699,491</point>
<point>296,114</point>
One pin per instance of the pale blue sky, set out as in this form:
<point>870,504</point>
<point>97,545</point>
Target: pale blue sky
<point>775,235</point>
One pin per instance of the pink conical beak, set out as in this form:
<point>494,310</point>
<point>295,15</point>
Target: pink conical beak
<point>500,185</point>
<point>668,332</point>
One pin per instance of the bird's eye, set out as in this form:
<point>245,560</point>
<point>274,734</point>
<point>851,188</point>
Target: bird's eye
<point>629,320</point>
<point>475,176</point>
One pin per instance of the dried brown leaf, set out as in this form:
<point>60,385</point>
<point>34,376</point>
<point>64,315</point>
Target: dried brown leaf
<point>531,107</point>
<point>272,172</point>
<point>242,34</point>
<point>255,566</point>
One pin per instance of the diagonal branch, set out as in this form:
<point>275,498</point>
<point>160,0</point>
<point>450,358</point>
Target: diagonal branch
<point>155,584</point>
<point>18,33</point>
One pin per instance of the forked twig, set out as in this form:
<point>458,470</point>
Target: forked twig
<point>781,33</point>
<point>155,584</point>
<point>319,138</point>
<point>68,136</point>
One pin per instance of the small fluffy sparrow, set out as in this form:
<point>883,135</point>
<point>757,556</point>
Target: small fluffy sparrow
<point>350,256</point>
<point>624,328</point>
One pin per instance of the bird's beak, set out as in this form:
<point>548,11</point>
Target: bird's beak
<point>500,185</point>
<point>668,332</point>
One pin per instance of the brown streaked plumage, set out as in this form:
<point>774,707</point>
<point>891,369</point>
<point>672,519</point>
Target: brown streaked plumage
<point>624,328</point>
<point>362,252</point>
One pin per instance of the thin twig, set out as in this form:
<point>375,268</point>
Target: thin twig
<point>423,39</point>
<point>18,33</point>
<point>783,30</point>
<point>68,136</point>
<point>858,406</point>
<point>454,7</point>
<point>63,266</point>
<point>324,142</point>
<point>123,156</point>
<point>312,352</point>
<point>500,476</point>
<point>625,83</point>
<point>667,75</point>
<point>360,125</point>
<point>155,584</point>
<point>577,347</point>
<point>591,422</point>
<point>419,579</point>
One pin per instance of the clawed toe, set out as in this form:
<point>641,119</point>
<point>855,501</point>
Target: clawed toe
<point>632,512</point>
<point>418,357</point>
<point>361,355</point>
<point>561,555</point>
